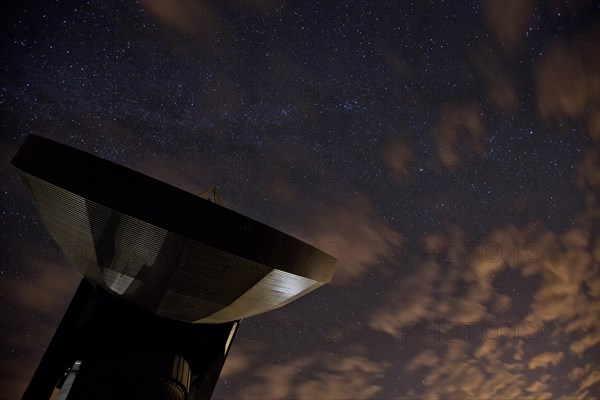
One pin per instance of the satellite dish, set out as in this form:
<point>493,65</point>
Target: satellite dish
<point>172,252</point>
<point>168,276</point>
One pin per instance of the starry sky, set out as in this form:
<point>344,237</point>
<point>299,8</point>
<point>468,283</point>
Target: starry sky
<point>445,152</point>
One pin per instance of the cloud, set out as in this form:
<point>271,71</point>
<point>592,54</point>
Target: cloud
<point>458,123</point>
<point>410,302</point>
<point>240,357</point>
<point>563,305</point>
<point>545,359</point>
<point>503,93</point>
<point>458,374</point>
<point>397,154</point>
<point>463,370</point>
<point>508,20</point>
<point>565,267</point>
<point>198,19</point>
<point>591,379</point>
<point>40,295</point>
<point>588,171</point>
<point>577,373</point>
<point>354,234</point>
<point>15,374</point>
<point>349,377</point>
<point>325,376</point>
<point>427,358</point>
<point>275,381</point>
<point>536,387</point>
<point>283,191</point>
<point>431,292</point>
<point>568,81</point>
<point>585,343</point>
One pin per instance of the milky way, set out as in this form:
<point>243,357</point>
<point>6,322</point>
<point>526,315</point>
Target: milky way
<point>446,153</point>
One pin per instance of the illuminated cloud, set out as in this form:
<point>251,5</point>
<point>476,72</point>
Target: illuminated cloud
<point>545,359</point>
<point>412,301</point>
<point>16,374</point>
<point>283,191</point>
<point>240,357</point>
<point>585,343</point>
<point>354,234</point>
<point>588,173</point>
<point>345,377</point>
<point>51,289</point>
<point>427,358</point>
<point>198,19</point>
<point>397,154</point>
<point>503,93</point>
<point>562,263</point>
<point>579,372</point>
<point>432,291</point>
<point>458,123</point>
<point>536,387</point>
<point>274,381</point>
<point>568,81</point>
<point>508,20</point>
<point>592,378</point>
<point>566,267</point>
<point>41,300</point>
<point>458,374</point>
<point>332,376</point>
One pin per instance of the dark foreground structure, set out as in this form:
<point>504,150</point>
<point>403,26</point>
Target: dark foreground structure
<point>168,276</point>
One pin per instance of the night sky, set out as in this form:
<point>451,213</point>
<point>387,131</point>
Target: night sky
<point>446,153</point>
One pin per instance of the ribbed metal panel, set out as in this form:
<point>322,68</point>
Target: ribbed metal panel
<point>175,254</point>
<point>65,218</point>
<point>175,277</point>
<point>274,290</point>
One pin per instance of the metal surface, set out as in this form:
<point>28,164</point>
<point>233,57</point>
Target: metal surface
<point>174,253</point>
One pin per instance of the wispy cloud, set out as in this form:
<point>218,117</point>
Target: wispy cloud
<point>354,234</point>
<point>330,376</point>
<point>40,300</point>
<point>508,20</point>
<point>568,81</point>
<point>545,359</point>
<point>459,124</point>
